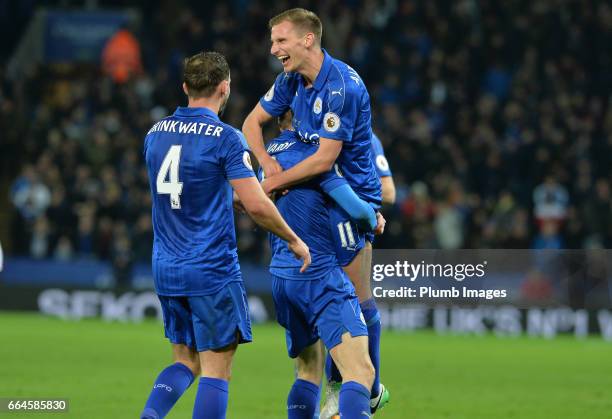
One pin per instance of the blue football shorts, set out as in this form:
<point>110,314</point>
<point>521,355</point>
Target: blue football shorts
<point>323,309</point>
<point>208,322</point>
<point>348,238</point>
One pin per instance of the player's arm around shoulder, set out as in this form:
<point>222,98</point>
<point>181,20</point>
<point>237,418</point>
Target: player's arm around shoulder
<point>263,211</point>
<point>252,130</point>
<point>274,103</point>
<point>320,162</point>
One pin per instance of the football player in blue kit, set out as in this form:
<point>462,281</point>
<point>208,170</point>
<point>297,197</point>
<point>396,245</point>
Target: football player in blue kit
<point>193,161</point>
<point>331,106</point>
<point>383,170</point>
<point>319,305</point>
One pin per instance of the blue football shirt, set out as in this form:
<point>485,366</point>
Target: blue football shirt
<point>305,209</point>
<point>190,158</point>
<point>380,161</point>
<point>336,106</point>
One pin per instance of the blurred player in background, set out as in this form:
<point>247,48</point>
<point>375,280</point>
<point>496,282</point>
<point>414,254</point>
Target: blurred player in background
<point>384,171</point>
<point>331,107</point>
<point>192,159</point>
<point>320,305</point>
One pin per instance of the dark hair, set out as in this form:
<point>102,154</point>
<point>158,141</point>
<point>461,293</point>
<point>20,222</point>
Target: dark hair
<point>284,121</point>
<point>303,19</point>
<point>203,72</point>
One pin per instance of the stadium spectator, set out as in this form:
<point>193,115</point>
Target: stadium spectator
<point>121,57</point>
<point>496,94</point>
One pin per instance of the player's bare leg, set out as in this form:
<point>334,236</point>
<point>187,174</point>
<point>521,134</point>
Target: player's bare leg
<point>216,365</point>
<point>360,274</point>
<point>309,363</point>
<point>353,360</point>
<point>187,356</point>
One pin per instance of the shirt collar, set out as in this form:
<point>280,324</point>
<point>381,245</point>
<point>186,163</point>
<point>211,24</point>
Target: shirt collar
<point>186,111</point>
<point>324,72</point>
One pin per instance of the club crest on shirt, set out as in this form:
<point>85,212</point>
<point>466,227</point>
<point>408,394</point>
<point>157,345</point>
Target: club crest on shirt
<point>331,122</point>
<point>318,105</point>
<point>269,94</point>
<point>382,163</point>
<point>246,159</point>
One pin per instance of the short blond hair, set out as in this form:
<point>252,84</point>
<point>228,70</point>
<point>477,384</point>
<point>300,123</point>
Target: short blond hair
<point>301,18</point>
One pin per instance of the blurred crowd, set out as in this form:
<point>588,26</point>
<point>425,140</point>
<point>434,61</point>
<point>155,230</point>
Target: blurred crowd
<point>495,117</point>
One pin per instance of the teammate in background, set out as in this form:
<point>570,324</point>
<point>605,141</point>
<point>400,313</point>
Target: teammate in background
<point>1,259</point>
<point>383,170</point>
<point>320,305</point>
<point>331,106</point>
<point>192,159</point>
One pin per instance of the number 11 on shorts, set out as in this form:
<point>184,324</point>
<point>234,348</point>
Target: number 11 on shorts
<point>347,239</point>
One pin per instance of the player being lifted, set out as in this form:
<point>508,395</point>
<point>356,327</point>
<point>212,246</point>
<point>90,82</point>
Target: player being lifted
<point>321,304</point>
<point>192,159</point>
<point>331,106</point>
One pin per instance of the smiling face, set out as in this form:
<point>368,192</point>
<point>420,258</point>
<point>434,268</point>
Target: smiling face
<point>289,45</point>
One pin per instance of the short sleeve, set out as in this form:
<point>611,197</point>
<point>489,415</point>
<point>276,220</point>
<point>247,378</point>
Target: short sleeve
<point>342,110</point>
<point>380,161</point>
<point>235,157</point>
<point>278,98</point>
<point>332,179</point>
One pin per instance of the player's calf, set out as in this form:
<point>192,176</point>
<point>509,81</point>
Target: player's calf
<point>188,357</point>
<point>359,272</point>
<point>353,361</point>
<point>309,363</point>
<point>213,389</point>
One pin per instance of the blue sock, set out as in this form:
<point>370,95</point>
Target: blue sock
<point>354,401</point>
<point>302,400</point>
<point>331,370</point>
<point>168,388</point>
<point>372,319</point>
<point>211,400</point>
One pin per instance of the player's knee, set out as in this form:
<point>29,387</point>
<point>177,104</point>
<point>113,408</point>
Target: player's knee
<point>189,358</point>
<point>195,368</point>
<point>310,371</point>
<point>222,372</point>
<point>363,372</point>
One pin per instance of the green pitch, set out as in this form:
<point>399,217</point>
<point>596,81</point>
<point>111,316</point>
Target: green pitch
<point>106,371</point>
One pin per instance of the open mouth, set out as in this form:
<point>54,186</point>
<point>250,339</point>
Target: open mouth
<point>283,59</point>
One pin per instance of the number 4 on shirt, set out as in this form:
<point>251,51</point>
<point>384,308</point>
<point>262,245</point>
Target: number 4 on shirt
<point>173,186</point>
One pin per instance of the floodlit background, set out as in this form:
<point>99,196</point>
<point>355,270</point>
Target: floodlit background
<point>496,121</point>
